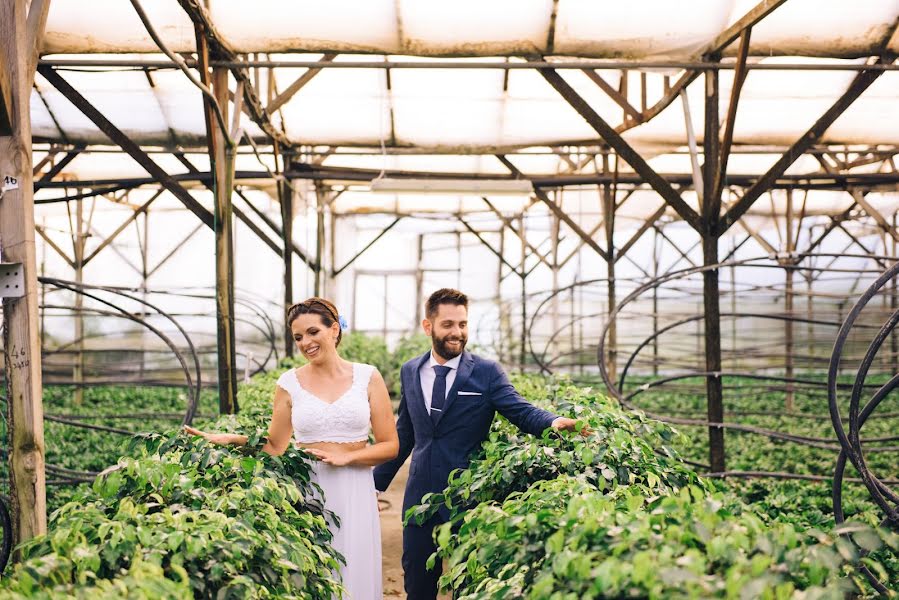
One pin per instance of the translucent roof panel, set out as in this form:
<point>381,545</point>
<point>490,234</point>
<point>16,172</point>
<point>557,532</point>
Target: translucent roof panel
<point>677,29</point>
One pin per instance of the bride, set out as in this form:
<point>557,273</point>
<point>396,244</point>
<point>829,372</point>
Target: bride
<point>329,406</point>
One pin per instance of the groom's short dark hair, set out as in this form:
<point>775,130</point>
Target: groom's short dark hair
<point>444,296</point>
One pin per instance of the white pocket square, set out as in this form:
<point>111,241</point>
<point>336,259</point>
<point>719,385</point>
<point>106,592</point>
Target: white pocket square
<point>470,394</point>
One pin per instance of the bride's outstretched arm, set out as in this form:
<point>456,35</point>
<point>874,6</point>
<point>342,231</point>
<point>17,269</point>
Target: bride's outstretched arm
<point>387,442</point>
<point>279,430</point>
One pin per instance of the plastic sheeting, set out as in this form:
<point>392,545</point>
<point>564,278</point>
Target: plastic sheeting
<point>676,29</point>
<point>470,111</point>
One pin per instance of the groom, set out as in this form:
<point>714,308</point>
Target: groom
<point>448,401</point>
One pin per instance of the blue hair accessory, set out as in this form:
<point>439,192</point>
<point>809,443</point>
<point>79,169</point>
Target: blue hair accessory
<point>342,321</point>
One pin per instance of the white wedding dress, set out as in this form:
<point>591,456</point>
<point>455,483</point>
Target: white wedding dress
<point>349,491</point>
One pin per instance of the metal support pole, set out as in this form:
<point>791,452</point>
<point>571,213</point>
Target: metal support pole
<point>80,237</point>
<point>733,307</point>
<point>524,295</point>
<point>145,275</point>
<point>319,237</point>
<point>656,247</point>
<point>608,209</point>
<point>554,250</point>
<point>894,303</point>
<point>711,210</point>
<point>503,318</point>
<point>788,305</point>
<point>285,199</point>
<point>419,282</point>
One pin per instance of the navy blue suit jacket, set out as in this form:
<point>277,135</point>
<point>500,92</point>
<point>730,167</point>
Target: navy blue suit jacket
<point>463,425</point>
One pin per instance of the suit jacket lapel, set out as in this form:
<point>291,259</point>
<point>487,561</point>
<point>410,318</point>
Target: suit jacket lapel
<point>416,398</point>
<point>465,367</point>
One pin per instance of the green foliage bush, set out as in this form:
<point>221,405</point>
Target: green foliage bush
<point>225,522</point>
<point>616,514</point>
<point>177,517</point>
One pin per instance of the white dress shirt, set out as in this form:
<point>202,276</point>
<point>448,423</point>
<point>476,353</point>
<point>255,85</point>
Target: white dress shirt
<point>427,376</point>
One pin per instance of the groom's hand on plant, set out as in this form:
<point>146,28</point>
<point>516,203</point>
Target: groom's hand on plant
<point>566,424</point>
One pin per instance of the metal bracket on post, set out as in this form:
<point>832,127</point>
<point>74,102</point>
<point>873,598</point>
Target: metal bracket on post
<point>12,280</point>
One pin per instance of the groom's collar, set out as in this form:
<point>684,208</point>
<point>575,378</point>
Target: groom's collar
<point>453,363</point>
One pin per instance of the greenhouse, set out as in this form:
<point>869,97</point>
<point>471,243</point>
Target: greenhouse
<point>611,288</point>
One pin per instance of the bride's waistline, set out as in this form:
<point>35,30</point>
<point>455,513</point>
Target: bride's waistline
<point>333,446</point>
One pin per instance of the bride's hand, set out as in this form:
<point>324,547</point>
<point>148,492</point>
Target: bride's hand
<point>336,459</point>
<point>221,439</point>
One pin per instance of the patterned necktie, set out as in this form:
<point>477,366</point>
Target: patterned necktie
<point>438,393</point>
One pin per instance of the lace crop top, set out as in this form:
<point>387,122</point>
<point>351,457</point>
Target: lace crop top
<point>346,420</point>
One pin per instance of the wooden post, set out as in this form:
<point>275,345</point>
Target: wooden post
<point>419,283</point>
<point>21,344</point>
<point>710,215</point>
<point>320,202</point>
<point>285,199</point>
<point>80,237</point>
<point>608,210</point>
<point>789,262</point>
<point>524,295</point>
<point>223,166</point>
<point>656,249</point>
<point>554,240</point>
<point>894,304</point>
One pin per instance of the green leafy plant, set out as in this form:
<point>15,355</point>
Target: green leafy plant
<point>617,514</point>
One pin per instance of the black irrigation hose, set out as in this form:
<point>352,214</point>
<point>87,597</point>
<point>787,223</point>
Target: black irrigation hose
<point>82,425</point>
<point>851,444</point>
<point>785,475</point>
<point>119,312</point>
<point>693,318</point>
<point>193,390</point>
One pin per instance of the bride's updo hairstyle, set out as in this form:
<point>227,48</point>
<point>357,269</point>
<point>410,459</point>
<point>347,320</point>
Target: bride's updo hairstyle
<point>325,309</point>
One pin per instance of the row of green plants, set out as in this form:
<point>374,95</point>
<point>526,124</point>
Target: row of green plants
<point>179,514</point>
<point>175,517</point>
<point>616,513</point>
<point>761,404</point>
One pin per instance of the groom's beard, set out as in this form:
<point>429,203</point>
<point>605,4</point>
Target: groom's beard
<point>446,351</point>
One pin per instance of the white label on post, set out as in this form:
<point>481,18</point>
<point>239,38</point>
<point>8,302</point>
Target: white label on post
<point>10,183</point>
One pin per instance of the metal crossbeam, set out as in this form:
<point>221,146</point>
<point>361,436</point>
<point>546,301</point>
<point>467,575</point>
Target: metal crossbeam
<point>131,148</point>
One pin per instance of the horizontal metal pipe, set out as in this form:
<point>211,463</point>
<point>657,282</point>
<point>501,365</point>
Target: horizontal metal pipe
<point>466,64</point>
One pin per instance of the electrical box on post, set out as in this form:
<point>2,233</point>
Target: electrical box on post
<point>12,280</point>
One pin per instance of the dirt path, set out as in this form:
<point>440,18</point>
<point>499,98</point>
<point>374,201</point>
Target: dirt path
<point>392,538</point>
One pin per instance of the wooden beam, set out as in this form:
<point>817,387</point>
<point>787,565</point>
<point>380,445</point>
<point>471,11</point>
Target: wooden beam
<point>508,223</point>
<point>125,143</point>
<point>859,198</point>
<point>21,340</point>
<point>861,83</point>
<point>495,252</point>
<point>541,195</point>
<point>109,239</point>
<point>279,231</point>
<point>49,241</point>
<point>624,150</point>
<point>295,87</point>
<point>337,272</point>
<point>727,141</point>
<point>647,225</point>
<point>747,21</point>
<point>615,95</point>
<point>62,164</point>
